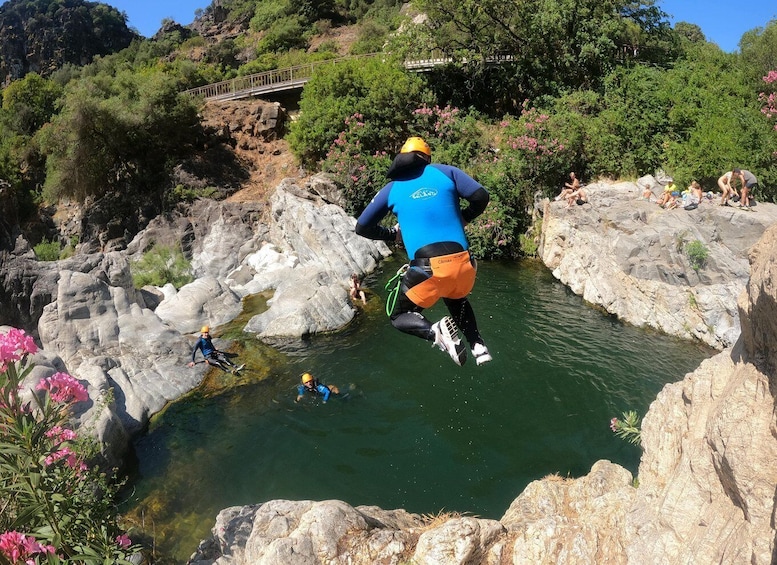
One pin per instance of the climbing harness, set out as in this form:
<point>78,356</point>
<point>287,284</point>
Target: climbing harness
<point>396,280</point>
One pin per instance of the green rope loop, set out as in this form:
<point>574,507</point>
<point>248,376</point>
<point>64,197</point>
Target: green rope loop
<point>396,280</point>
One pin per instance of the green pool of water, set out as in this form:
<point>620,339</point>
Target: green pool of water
<point>415,431</point>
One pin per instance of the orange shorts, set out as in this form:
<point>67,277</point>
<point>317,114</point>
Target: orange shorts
<point>453,276</point>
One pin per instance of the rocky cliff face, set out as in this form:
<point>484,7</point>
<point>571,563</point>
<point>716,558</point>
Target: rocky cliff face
<point>705,491</point>
<point>129,347</point>
<point>637,260</point>
<point>42,37</point>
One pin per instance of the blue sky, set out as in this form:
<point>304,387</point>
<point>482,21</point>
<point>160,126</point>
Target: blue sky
<point>722,21</point>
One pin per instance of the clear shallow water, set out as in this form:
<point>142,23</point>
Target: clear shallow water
<point>415,431</point>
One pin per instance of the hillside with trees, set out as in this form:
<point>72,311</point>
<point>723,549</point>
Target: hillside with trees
<point>44,36</point>
<point>605,89</point>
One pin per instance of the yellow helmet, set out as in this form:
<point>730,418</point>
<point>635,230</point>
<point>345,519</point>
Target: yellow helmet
<point>416,144</point>
<point>306,378</point>
<point>205,330</point>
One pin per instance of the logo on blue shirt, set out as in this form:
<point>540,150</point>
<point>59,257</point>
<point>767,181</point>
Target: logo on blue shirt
<point>424,194</point>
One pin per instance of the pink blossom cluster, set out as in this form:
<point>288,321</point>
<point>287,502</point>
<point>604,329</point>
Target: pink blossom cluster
<point>71,459</point>
<point>20,548</point>
<point>123,541</point>
<point>530,143</point>
<point>769,100</point>
<point>614,424</point>
<point>356,119</point>
<point>63,388</point>
<point>61,434</point>
<point>442,120</point>
<point>14,345</point>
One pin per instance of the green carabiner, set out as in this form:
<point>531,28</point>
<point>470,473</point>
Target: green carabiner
<point>391,300</point>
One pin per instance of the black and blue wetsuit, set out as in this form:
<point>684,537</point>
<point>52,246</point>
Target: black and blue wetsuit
<point>318,389</point>
<point>212,355</point>
<point>425,199</point>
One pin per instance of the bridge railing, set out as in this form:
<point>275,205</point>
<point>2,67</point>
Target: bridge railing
<point>296,77</point>
<point>289,77</point>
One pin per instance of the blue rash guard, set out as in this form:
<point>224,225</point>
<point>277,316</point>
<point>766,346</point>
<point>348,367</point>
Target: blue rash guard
<point>426,206</point>
<point>205,345</point>
<point>319,389</point>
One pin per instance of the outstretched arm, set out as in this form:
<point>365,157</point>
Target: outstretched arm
<point>368,224</point>
<point>197,346</point>
<point>477,204</point>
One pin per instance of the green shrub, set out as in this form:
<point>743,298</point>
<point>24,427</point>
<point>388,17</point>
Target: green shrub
<point>182,193</point>
<point>697,254</point>
<point>47,250</point>
<point>57,505</point>
<point>161,265</point>
<point>628,428</point>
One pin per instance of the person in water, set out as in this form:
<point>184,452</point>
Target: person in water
<point>314,387</point>
<point>212,355</point>
<point>355,289</point>
<point>425,199</point>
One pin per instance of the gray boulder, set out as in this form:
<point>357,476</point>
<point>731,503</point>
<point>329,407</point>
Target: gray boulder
<point>314,251</point>
<point>633,259</point>
<point>206,300</point>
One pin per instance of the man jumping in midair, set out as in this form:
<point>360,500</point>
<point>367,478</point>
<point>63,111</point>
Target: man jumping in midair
<point>425,199</point>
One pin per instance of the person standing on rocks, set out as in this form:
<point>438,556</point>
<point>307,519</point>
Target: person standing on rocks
<point>724,183</point>
<point>748,184</point>
<point>425,199</point>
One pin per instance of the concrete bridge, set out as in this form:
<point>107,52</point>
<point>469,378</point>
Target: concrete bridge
<point>291,78</point>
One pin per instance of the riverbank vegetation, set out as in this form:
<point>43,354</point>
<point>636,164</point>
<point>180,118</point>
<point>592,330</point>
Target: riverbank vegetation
<point>607,90</point>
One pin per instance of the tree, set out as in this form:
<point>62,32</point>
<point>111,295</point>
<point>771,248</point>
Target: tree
<point>30,102</point>
<point>121,132</point>
<point>759,50</point>
<point>557,45</point>
<point>383,93</point>
<point>714,121</point>
<point>690,32</point>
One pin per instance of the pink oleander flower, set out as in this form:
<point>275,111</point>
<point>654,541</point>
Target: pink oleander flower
<point>63,388</point>
<point>61,434</point>
<point>19,547</point>
<point>614,424</point>
<point>14,345</point>
<point>123,541</point>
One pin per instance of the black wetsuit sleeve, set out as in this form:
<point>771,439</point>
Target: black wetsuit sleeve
<point>477,204</point>
<point>376,232</point>
<point>368,224</point>
<point>197,346</point>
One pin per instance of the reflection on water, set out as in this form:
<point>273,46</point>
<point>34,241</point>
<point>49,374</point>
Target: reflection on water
<point>415,431</point>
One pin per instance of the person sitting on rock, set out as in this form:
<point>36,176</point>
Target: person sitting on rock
<point>314,387</point>
<point>569,187</point>
<point>212,355</point>
<point>579,197</point>
<point>669,195</point>
<point>697,192</point>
